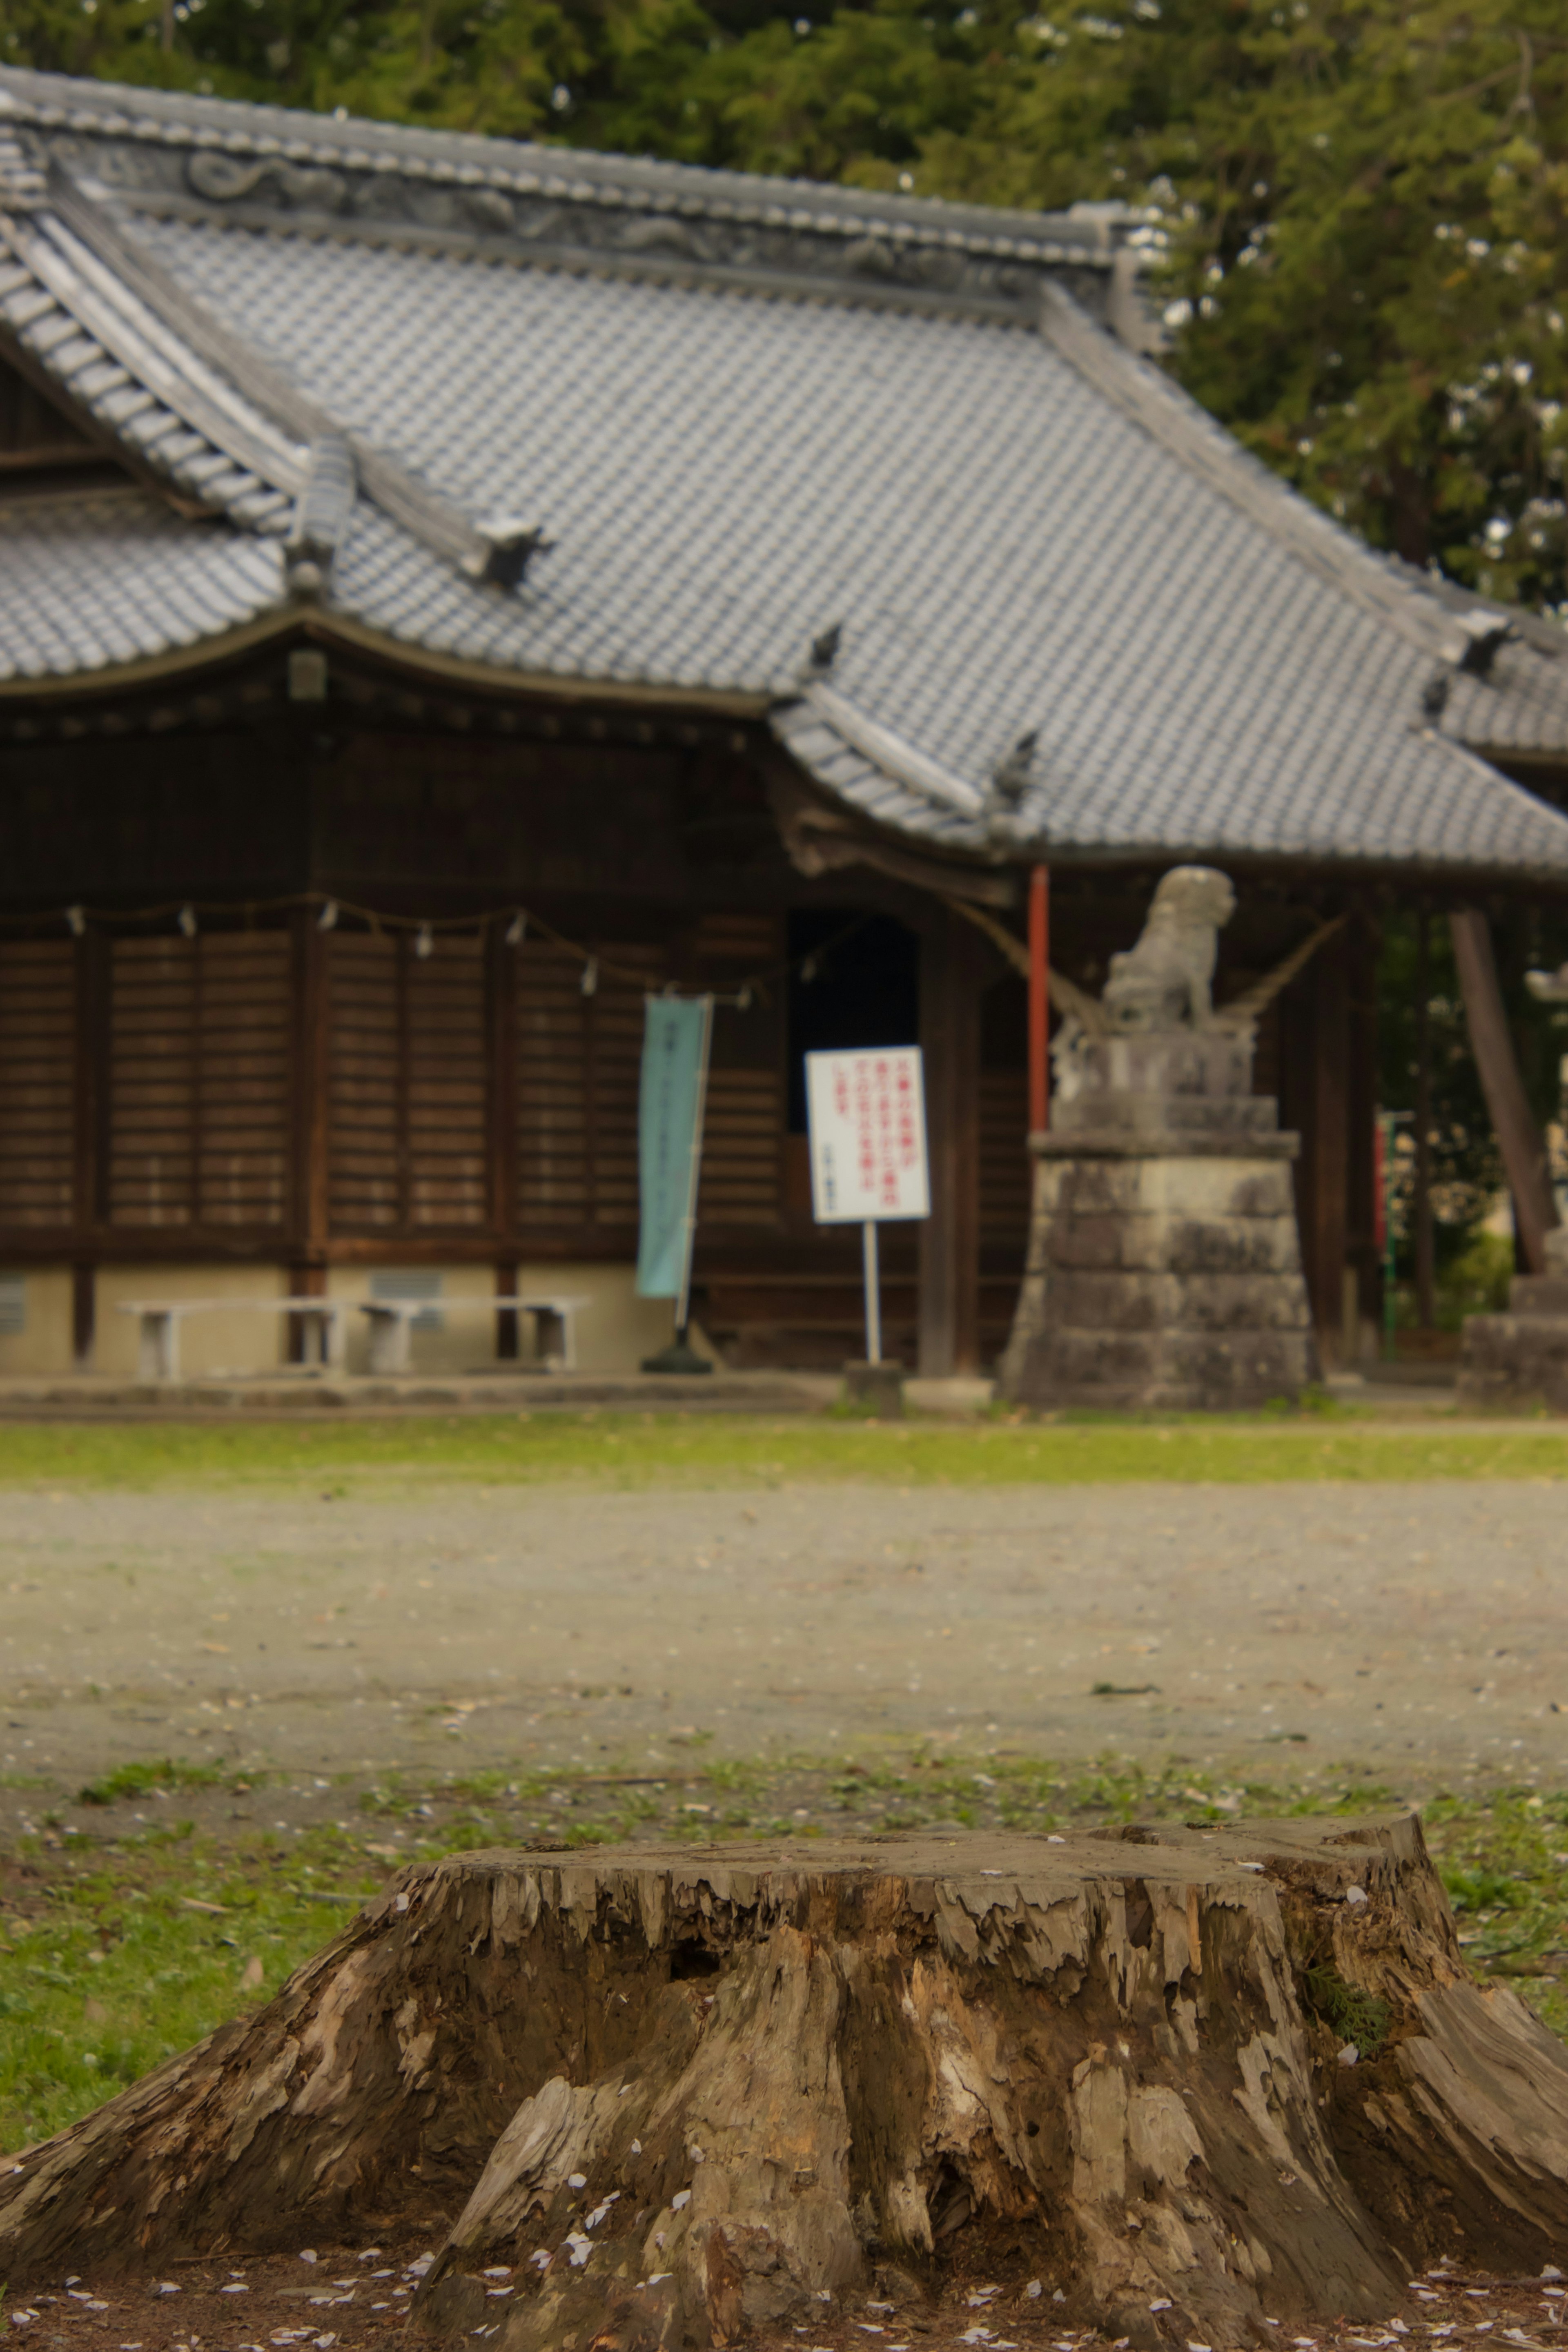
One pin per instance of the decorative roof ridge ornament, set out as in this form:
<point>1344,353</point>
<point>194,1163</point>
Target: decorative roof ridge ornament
<point>321,514</point>
<point>1012,779</point>
<point>289,138</point>
<point>899,760</point>
<point>1477,638</point>
<point>509,546</point>
<point>825,651</point>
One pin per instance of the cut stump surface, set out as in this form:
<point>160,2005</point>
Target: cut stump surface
<point>1190,2079</point>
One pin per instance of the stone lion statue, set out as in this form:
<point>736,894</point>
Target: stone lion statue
<point>1165,981</point>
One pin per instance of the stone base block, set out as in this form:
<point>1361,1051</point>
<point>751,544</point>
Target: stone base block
<point>878,1388</point>
<point>1161,1280</point>
<point>1518,1360</point>
<point>1167,1371</point>
<point>1538,1294</point>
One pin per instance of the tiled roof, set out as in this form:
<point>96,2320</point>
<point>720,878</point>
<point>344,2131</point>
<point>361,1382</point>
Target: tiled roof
<point>101,579</point>
<point>743,411</point>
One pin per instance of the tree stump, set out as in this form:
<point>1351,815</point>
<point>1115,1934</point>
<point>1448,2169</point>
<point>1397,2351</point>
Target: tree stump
<point>695,2093</point>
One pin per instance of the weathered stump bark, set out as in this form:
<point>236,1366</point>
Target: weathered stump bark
<point>689,2095</point>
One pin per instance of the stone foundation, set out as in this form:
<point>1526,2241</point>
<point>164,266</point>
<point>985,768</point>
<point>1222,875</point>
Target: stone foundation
<point>1518,1359</point>
<point>1165,1267</point>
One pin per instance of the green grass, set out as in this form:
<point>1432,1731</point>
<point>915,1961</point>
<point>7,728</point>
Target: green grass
<point>670,1450</point>
<point>108,1965</point>
<point>126,1943</point>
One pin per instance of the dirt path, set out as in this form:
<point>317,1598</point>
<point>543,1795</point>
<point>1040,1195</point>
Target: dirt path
<point>1412,1630</point>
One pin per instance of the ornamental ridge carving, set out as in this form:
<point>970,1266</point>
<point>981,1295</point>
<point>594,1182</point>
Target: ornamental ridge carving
<point>562,226</point>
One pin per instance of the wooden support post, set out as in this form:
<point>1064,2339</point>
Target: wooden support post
<point>310,1122</point>
<point>1364,1268</point>
<point>1315,1098</point>
<point>90,1139</point>
<point>1421,1206</point>
<point>1039,1000</point>
<point>1519,1137</point>
<point>949,1237</point>
<point>500,1127</point>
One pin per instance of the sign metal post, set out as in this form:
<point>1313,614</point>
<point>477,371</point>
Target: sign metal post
<point>873,1291</point>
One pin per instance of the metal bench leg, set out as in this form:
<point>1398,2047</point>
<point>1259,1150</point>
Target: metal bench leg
<point>158,1346</point>
<point>552,1341</point>
<point>388,1342</point>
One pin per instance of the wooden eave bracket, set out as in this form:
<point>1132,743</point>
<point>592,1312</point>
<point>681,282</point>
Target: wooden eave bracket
<point>821,839</point>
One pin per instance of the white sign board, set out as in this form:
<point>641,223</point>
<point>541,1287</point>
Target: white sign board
<point>866,1112</point>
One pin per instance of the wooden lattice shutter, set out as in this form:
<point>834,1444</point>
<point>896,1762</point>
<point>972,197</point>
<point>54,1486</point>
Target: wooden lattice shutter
<point>242,1108</point>
<point>408,1083</point>
<point>37,1021</point>
<point>152,1082</point>
<point>363,1185</point>
<point>198,1086</point>
<point>579,1061</point>
<point>447,1067</point>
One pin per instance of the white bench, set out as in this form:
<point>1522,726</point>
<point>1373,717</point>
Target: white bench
<point>555,1326</point>
<point>158,1339</point>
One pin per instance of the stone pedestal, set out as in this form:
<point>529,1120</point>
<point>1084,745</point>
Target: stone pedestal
<point>878,1388</point>
<point>1164,1268</point>
<point>1519,1358</point>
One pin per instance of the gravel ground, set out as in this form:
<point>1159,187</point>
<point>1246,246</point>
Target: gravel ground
<point>1416,1631</point>
<point>353,2300</point>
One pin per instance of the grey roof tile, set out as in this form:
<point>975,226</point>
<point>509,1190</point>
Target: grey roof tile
<point>1021,526</point>
<point>89,581</point>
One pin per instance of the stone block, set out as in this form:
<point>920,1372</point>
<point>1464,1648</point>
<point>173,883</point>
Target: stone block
<point>1128,1184</point>
<point>1164,1370</point>
<point>1118,1301</point>
<point>1256,1245</point>
<point>1157,1244</point>
<point>1163,1279</point>
<point>1515,1360</point>
<point>1168,1068</point>
<point>1538,1294</point>
<point>876,1389</point>
<point>1157,1117</point>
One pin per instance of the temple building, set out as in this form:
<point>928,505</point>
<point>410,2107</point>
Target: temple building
<point>451,588</point>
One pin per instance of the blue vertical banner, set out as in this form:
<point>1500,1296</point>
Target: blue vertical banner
<point>676,1032</point>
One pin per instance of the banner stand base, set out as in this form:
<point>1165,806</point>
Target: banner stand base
<point>680,1356</point>
<point>876,1388</point>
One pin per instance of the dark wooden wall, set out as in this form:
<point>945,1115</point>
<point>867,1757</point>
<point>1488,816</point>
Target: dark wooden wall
<point>300,1097</point>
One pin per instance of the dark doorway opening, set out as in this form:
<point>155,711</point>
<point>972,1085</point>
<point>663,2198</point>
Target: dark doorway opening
<point>854,980</point>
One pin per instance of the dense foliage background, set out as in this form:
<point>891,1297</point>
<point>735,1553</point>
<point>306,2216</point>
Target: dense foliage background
<point>1354,210</point>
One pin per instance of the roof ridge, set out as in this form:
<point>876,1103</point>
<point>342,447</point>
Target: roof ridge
<point>1150,398</point>
<point>242,127</point>
<point>893,753</point>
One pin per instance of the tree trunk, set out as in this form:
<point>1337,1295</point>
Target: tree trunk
<point>1519,1137</point>
<point>693,2093</point>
